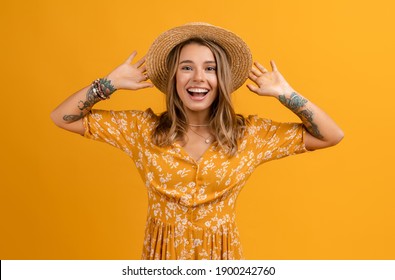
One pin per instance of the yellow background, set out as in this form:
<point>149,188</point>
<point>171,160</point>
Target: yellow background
<point>65,197</point>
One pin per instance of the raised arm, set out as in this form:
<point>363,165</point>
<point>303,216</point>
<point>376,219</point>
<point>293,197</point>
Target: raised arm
<point>68,115</point>
<point>323,132</point>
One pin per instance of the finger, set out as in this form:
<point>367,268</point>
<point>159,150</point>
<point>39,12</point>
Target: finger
<point>131,57</point>
<point>256,72</point>
<point>274,66</point>
<point>253,88</point>
<point>140,78</point>
<point>143,68</point>
<point>144,85</point>
<point>140,62</point>
<point>260,67</point>
<point>252,77</point>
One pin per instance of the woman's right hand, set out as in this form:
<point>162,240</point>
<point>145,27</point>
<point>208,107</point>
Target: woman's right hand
<point>131,76</point>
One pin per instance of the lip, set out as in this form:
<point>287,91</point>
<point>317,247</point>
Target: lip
<point>197,98</point>
<point>198,90</point>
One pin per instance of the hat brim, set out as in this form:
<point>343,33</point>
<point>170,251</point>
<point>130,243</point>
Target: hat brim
<point>237,50</point>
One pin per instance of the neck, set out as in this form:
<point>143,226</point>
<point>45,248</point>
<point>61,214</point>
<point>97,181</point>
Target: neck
<point>198,119</point>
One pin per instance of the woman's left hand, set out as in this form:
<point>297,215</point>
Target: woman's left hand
<point>268,83</point>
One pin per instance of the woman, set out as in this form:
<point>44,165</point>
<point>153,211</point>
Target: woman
<point>196,156</point>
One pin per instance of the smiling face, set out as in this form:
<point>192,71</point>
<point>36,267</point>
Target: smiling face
<point>196,80</point>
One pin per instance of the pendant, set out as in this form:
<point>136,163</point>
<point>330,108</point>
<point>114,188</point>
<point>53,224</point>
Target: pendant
<point>207,141</point>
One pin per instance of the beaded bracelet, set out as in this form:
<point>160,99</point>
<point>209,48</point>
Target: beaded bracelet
<point>102,88</point>
<point>97,90</point>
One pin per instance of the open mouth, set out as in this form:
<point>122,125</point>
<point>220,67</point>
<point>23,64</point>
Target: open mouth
<point>197,93</point>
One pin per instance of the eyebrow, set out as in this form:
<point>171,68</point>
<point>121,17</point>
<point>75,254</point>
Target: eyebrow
<point>190,61</point>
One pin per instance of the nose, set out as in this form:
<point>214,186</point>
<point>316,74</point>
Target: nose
<point>198,75</point>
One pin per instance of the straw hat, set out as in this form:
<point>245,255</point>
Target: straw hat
<point>237,50</point>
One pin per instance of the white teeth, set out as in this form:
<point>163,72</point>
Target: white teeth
<point>198,90</point>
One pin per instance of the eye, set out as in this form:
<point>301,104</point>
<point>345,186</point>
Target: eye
<point>186,68</point>
<point>211,68</point>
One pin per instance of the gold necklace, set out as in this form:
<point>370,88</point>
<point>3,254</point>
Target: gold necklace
<point>206,140</point>
<point>198,125</point>
<point>195,125</point>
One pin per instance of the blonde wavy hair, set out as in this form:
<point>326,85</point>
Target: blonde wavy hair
<point>227,126</point>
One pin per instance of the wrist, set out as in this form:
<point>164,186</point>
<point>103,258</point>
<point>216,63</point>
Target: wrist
<point>103,88</point>
<point>294,101</point>
<point>286,92</point>
<point>112,80</point>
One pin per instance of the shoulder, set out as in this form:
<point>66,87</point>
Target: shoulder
<point>126,115</point>
<point>255,123</point>
<point>124,120</point>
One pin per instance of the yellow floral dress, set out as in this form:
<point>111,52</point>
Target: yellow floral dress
<point>191,211</point>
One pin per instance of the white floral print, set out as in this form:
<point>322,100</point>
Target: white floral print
<point>191,211</point>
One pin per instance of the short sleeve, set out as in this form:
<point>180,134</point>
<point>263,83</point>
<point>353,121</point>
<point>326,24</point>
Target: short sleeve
<point>274,140</point>
<point>121,129</point>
